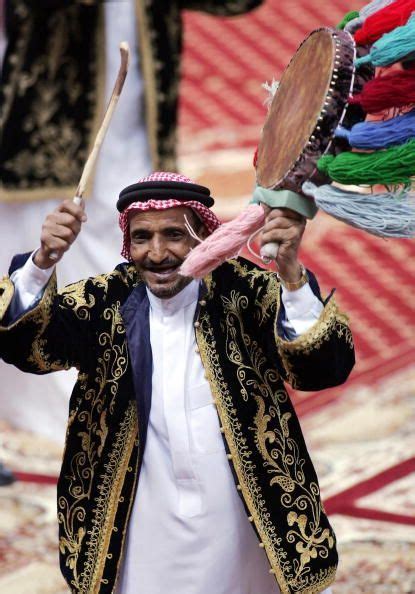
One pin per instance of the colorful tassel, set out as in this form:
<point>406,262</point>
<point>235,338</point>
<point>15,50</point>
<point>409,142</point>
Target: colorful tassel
<point>385,215</point>
<point>378,135</point>
<point>383,21</point>
<point>392,47</point>
<point>353,14</point>
<point>224,243</point>
<point>385,92</point>
<point>373,7</point>
<point>392,166</point>
<point>353,25</point>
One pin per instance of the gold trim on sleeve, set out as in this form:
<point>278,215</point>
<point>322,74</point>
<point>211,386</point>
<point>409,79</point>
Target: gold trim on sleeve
<point>330,320</point>
<point>6,295</point>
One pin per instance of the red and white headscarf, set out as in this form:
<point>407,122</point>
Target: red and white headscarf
<point>204,213</point>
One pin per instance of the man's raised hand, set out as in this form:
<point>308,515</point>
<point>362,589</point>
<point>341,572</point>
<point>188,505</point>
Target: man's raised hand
<point>59,231</point>
<point>285,227</point>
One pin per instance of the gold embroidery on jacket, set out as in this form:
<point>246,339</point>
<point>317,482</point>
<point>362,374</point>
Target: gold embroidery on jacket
<point>56,149</point>
<point>6,295</point>
<point>266,303</point>
<point>282,460</point>
<point>243,465</point>
<point>17,59</point>
<point>278,449</point>
<point>53,146</point>
<point>106,503</point>
<point>255,355</point>
<point>41,316</point>
<point>96,402</point>
<point>331,321</point>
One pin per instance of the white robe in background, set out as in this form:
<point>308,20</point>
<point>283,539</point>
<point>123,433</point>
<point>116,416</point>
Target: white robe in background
<point>40,403</point>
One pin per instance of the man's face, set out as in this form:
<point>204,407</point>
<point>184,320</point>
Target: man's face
<point>159,244</point>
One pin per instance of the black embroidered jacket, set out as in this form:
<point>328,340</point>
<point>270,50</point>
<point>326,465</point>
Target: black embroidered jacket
<point>99,326</point>
<point>52,87</point>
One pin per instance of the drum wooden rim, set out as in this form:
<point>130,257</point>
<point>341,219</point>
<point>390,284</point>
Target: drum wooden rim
<point>309,103</point>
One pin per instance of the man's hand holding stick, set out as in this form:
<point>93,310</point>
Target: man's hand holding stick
<point>62,226</point>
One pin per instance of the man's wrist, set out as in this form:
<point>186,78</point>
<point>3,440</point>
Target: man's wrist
<point>42,261</point>
<point>294,279</point>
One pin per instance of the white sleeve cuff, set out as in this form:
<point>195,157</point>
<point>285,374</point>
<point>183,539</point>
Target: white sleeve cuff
<point>302,309</point>
<point>29,281</point>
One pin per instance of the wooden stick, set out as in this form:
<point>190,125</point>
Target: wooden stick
<point>90,162</point>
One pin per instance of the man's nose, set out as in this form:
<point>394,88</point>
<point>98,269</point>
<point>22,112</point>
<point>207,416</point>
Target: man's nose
<point>157,252</point>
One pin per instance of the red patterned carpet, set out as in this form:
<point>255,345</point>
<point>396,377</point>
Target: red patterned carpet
<point>360,435</point>
<point>226,61</point>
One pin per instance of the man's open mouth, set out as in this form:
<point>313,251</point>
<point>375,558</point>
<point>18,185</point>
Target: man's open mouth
<point>163,273</point>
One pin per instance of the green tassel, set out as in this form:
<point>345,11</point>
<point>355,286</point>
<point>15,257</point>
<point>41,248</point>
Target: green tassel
<point>388,167</point>
<point>353,14</point>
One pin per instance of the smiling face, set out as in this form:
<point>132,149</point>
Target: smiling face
<point>159,244</point>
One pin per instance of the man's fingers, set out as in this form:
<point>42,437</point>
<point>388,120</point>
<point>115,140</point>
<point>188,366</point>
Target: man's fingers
<point>286,213</point>
<point>63,219</point>
<point>76,210</point>
<point>283,223</point>
<point>281,235</point>
<point>51,234</point>
<point>61,228</point>
<point>54,244</point>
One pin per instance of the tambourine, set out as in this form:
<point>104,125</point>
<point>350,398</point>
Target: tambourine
<point>313,133</point>
<point>310,102</point>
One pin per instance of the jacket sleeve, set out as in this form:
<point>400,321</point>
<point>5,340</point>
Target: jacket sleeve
<point>53,335</point>
<point>321,357</point>
<point>221,8</point>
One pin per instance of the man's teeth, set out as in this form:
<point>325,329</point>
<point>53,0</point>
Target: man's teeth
<point>165,271</point>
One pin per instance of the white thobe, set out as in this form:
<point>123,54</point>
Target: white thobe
<point>188,532</point>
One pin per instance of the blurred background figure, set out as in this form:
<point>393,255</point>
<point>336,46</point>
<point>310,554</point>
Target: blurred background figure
<point>6,476</point>
<point>60,62</point>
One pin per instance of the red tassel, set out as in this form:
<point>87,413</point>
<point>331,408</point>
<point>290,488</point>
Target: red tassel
<point>384,92</point>
<point>385,20</point>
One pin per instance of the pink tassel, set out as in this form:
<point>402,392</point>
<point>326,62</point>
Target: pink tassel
<point>224,243</point>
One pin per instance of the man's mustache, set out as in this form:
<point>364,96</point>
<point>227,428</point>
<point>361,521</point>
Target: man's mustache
<point>160,266</point>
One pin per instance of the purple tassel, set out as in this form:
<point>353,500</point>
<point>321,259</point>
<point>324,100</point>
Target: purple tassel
<point>378,135</point>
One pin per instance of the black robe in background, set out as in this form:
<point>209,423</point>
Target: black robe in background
<point>52,87</point>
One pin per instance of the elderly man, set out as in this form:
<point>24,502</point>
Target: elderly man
<point>185,468</point>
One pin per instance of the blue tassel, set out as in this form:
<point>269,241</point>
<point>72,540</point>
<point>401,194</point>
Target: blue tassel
<point>392,47</point>
<point>377,135</point>
<point>391,214</point>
